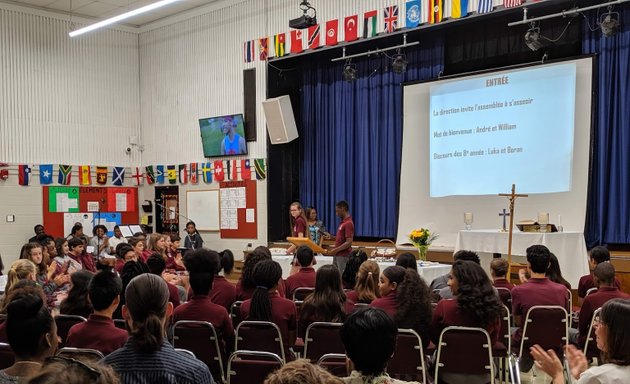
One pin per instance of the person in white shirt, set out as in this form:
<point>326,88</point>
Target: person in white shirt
<point>118,238</point>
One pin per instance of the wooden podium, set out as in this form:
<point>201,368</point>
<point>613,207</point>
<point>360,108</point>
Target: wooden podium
<point>299,241</point>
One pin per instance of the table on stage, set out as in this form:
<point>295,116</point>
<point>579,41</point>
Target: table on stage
<point>427,270</point>
<point>569,247</point>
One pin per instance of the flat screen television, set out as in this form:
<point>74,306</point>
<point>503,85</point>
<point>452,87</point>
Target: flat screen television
<point>223,135</point>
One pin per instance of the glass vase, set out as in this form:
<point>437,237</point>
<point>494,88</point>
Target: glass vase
<point>422,252</point>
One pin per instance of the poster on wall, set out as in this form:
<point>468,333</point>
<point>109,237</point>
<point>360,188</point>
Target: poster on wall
<point>63,199</point>
<point>109,220</point>
<point>85,219</point>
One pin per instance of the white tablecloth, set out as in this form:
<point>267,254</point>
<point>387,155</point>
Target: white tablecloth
<point>569,247</point>
<point>428,271</point>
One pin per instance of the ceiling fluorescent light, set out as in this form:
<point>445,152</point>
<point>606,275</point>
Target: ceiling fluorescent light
<point>118,18</point>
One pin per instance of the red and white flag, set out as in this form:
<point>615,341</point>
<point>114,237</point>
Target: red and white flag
<point>297,43</point>
<point>351,28</point>
<point>332,26</point>
<point>314,39</point>
<point>512,3</point>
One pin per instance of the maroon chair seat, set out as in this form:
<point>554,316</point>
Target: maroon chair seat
<point>7,358</point>
<point>322,338</point>
<point>200,338</point>
<point>64,323</point>
<point>334,363</point>
<point>120,323</point>
<point>235,313</point>
<point>505,295</point>
<point>502,349</point>
<point>82,354</point>
<point>473,359</point>
<point>259,336</point>
<point>408,362</point>
<point>301,293</point>
<point>249,367</point>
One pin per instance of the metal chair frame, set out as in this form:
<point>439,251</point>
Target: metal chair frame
<point>214,339</point>
<point>260,354</point>
<point>260,323</point>
<point>487,345</point>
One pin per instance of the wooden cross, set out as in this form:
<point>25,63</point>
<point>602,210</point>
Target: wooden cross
<point>511,197</point>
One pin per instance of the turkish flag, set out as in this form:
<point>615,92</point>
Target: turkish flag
<point>331,32</point>
<point>296,41</point>
<point>350,28</point>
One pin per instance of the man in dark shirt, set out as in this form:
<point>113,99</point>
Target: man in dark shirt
<point>39,229</point>
<point>344,236</point>
<point>596,256</point>
<point>305,277</point>
<point>99,332</point>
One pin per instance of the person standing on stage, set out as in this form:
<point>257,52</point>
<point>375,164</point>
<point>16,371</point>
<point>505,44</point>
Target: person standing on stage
<point>298,225</point>
<point>344,236</point>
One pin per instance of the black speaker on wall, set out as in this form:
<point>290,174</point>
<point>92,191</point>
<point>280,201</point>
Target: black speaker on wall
<point>249,103</point>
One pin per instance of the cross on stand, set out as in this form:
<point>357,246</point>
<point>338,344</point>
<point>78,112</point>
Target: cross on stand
<point>504,214</point>
<point>512,198</point>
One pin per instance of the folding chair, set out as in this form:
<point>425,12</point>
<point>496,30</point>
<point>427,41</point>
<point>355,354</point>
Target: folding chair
<point>408,362</point>
<point>464,350</point>
<point>590,345</point>
<point>547,326</point>
<point>189,353</point>
<point>334,363</point>
<point>235,313</point>
<point>200,338</point>
<point>502,349</point>
<point>259,336</point>
<point>247,367</point>
<point>7,358</point>
<point>64,323</point>
<point>120,323</point>
<point>591,290</point>
<point>322,338</point>
<point>301,293</point>
<point>81,354</point>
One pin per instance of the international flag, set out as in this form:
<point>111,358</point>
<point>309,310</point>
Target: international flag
<point>118,176</point>
<point>159,174</point>
<point>351,28</point>
<point>390,17</point>
<point>484,6</point>
<point>194,173</point>
<point>262,48</point>
<point>139,176</point>
<point>171,173</point>
<point>65,174</point>
<point>218,170</point>
<point>246,170</point>
<point>183,174</point>
<point>332,26</point>
<point>24,174</point>
<point>206,172</point>
<point>85,175</point>
<point>512,3</point>
<point>413,13</point>
<point>227,171</point>
<point>369,23</point>
<point>231,170</point>
<point>459,8</point>
<point>45,174</point>
<point>249,51</point>
<point>4,171</point>
<point>278,44</point>
<point>435,11</point>
<point>297,43</point>
<point>313,36</point>
<point>101,175</point>
<point>150,174</point>
<point>261,172</point>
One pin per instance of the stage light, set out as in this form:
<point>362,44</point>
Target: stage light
<point>308,18</point>
<point>532,39</point>
<point>610,24</point>
<point>399,63</point>
<point>349,72</point>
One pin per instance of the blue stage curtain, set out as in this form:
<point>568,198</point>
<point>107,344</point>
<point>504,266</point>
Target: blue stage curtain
<point>352,136</point>
<point>608,209</point>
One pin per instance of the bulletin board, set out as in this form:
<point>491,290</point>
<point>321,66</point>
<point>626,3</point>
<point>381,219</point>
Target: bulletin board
<point>238,212</point>
<point>202,207</point>
<point>65,205</point>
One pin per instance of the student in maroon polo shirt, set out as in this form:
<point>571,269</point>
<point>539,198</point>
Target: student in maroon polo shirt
<point>77,254</point>
<point>597,255</point>
<point>305,276</point>
<point>327,302</point>
<point>366,286</point>
<point>223,292</point>
<point>246,284</point>
<point>538,290</point>
<point>202,265</point>
<point>267,305</point>
<point>99,332</point>
<point>498,271</point>
<point>343,237</point>
<point>406,298</point>
<point>298,224</point>
<point>604,278</point>
<point>157,265</point>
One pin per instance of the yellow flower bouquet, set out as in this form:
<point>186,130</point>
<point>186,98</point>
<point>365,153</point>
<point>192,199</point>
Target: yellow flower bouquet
<point>421,239</point>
